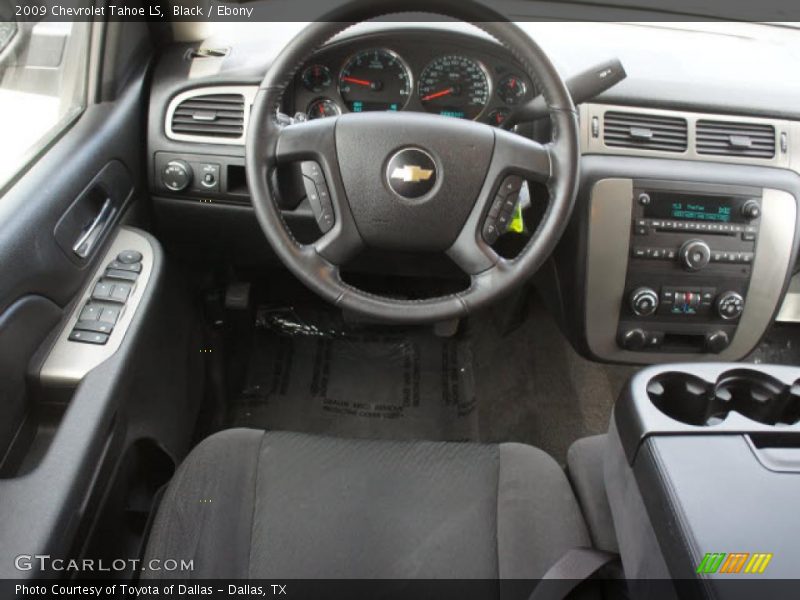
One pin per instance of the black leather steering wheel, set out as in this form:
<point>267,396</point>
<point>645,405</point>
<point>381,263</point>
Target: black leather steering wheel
<point>411,181</point>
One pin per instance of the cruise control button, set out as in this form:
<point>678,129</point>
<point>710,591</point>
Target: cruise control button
<point>88,337</point>
<point>96,326</point>
<point>129,257</point>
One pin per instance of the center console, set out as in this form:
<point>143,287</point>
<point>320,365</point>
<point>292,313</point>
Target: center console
<point>692,249</point>
<point>684,270</point>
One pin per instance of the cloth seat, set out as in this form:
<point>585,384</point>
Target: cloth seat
<point>253,504</point>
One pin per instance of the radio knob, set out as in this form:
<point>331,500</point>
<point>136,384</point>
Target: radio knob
<point>730,305</point>
<point>717,341</point>
<point>644,301</point>
<point>633,339</point>
<point>177,175</point>
<point>751,210</point>
<point>694,255</point>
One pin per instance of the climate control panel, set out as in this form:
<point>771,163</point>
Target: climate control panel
<point>689,269</point>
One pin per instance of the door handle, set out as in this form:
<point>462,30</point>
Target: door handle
<point>90,236</point>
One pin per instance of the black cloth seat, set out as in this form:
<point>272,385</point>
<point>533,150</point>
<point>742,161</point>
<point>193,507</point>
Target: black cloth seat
<point>253,504</point>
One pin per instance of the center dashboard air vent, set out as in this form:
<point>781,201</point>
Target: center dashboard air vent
<point>735,138</point>
<point>645,131</point>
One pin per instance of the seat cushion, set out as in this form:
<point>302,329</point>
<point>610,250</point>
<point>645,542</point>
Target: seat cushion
<point>253,504</point>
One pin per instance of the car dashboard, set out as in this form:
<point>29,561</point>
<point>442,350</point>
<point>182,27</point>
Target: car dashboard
<point>684,235</point>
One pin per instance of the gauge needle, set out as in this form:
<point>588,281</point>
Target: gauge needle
<point>437,94</point>
<point>357,81</point>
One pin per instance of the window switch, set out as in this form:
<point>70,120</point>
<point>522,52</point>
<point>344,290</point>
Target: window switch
<point>88,337</point>
<point>120,293</point>
<point>91,312</point>
<point>110,314</point>
<point>102,290</point>
<point>95,326</point>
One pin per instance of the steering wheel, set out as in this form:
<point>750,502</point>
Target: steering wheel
<point>411,181</point>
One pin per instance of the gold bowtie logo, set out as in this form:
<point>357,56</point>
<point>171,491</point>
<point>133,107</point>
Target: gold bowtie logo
<point>412,173</point>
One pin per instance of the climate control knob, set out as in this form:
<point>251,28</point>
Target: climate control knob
<point>177,175</point>
<point>644,301</point>
<point>730,305</point>
<point>694,255</point>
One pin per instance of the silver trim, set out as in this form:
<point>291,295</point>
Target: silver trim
<point>596,145</point>
<point>247,91</point>
<point>69,362</point>
<point>607,263</point>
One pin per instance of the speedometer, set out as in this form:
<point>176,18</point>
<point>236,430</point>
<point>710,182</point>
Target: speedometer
<point>455,86</point>
<point>375,80</point>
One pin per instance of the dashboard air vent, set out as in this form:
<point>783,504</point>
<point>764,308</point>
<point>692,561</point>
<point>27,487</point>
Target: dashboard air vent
<point>210,115</point>
<point>728,138</point>
<point>644,131</point>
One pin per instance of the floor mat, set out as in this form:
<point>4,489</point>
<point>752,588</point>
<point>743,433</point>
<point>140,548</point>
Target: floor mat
<point>311,372</point>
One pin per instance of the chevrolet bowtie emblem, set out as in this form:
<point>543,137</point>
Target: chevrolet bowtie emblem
<point>412,173</point>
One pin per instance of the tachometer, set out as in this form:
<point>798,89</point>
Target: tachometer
<point>375,80</point>
<point>455,86</point>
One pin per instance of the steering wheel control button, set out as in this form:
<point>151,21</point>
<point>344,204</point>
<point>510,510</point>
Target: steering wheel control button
<point>318,195</point>
<point>511,185</point>
<point>129,257</point>
<point>88,337</point>
<point>411,173</point>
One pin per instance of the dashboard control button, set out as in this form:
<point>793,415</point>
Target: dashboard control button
<point>177,175</point>
<point>128,257</point>
<point>644,199</point>
<point>730,305</point>
<point>88,337</point>
<point>490,233</point>
<point>511,185</point>
<point>644,301</point>
<point>639,252</point>
<point>694,255</point>
<point>717,341</point>
<point>102,290</point>
<point>633,339</point>
<point>751,210</point>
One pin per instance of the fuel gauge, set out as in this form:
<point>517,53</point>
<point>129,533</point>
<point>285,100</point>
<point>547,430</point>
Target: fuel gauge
<point>316,78</point>
<point>323,107</point>
<point>512,89</point>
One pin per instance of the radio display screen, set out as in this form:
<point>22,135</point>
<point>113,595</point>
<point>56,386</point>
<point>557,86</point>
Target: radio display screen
<point>690,207</point>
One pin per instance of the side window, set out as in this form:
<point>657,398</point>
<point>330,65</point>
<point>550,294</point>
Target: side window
<point>43,73</point>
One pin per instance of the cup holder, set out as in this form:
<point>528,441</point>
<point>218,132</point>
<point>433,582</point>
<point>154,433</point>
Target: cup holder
<point>755,395</point>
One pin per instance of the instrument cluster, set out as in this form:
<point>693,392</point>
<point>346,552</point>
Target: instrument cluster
<point>442,79</point>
